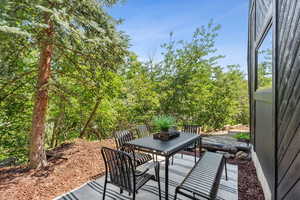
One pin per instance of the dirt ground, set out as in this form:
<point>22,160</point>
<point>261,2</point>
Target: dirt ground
<point>82,162</point>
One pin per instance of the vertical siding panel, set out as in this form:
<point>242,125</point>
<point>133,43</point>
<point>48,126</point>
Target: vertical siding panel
<point>282,6</point>
<point>287,160</point>
<point>290,179</point>
<point>288,105</point>
<point>291,119</point>
<point>288,15</point>
<point>294,193</point>
<point>287,63</point>
<point>287,39</point>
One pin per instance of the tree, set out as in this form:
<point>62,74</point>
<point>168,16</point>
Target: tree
<point>138,95</point>
<point>194,88</point>
<point>63,32</point>
<point>185,74</point>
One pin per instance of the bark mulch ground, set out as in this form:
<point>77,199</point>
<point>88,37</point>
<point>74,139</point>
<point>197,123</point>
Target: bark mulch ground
<point>82,162</point>
<point>248,186</point>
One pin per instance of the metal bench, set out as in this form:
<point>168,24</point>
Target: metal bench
<point>204,178</point>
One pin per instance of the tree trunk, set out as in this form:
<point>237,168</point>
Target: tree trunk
<point>37,152</point>
<point>82,133</point>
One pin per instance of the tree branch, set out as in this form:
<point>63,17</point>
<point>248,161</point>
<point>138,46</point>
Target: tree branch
<point>16,79</point>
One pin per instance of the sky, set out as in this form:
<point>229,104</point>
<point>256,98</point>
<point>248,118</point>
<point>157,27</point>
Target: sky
<point>149,23</point>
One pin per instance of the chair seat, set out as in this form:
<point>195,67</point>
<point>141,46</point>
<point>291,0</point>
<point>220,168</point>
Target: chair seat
<point>140,180</point>
<point>141,158</point>
<point>143,179</point>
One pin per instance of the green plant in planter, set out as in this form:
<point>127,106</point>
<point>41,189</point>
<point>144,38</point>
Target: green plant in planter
<point>164,122</point>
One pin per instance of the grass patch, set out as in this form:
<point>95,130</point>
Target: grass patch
<point>242,136</point>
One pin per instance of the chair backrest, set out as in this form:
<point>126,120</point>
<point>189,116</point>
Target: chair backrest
<point>121,137</point>
<point>119,166</point>
<point>192,129</point>
<point>142,130</point>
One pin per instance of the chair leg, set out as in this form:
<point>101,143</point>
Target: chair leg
<point>133,196</point>
<point>195,155</point>
<point>172,160</point>
<point>104,190</point>
<point>181,155</point>
<point>159,190</point>
<point>175,197</point>
<point>226,170</point>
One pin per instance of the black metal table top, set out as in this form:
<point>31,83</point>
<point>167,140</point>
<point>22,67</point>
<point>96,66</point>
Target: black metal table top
<point>165,147</point>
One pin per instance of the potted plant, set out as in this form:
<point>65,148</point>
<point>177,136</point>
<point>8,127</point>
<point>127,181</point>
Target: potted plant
<point>164,122</point>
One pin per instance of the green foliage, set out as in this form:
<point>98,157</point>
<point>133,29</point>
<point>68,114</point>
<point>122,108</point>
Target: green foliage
<point>88,50</point>
<point>242,136</point>
<point>194,89</point>
<point>92,70</point>
<point>164,122</point>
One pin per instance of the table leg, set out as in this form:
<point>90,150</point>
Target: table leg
<point>200,147</point>
<point>167,178</point>
<point>195,152</point>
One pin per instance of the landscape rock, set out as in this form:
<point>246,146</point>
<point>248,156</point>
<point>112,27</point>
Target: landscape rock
<point>242,155</point>
<point>219,147</point>
<point>229,156</point>
<point>244,148</point>
<point>232,149</point>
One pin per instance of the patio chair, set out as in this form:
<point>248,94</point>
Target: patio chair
<point>196,129</point>
<point>192,129</point>
<point>121,137</point>
<point>142,131</point>
<point>120,171</point>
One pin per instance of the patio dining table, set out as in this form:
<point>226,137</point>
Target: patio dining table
<point>165,149</point>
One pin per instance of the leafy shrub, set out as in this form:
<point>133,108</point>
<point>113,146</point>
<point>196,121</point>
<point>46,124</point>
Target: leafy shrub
<point>242,136</point>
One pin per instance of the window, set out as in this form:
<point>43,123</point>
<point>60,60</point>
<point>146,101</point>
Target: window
<point>264,62</point>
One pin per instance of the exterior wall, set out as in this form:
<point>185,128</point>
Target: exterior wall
<point>261,104</point>
<point>284,15</point>
<point>288,99</point>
